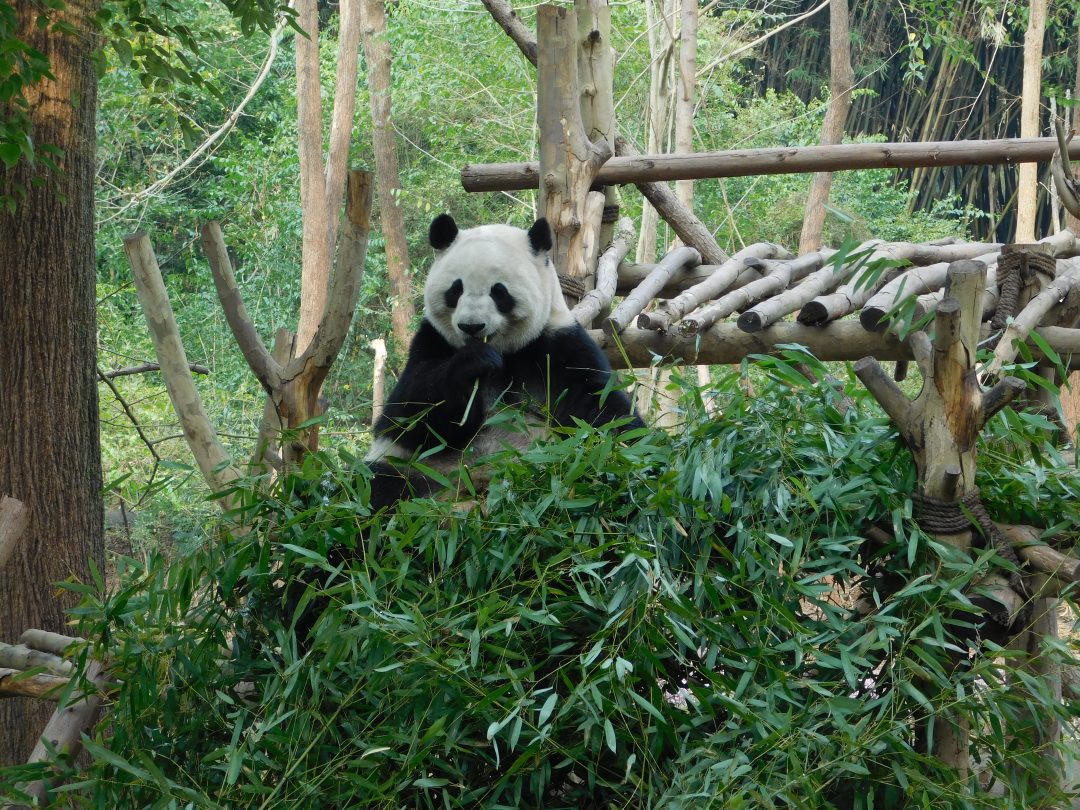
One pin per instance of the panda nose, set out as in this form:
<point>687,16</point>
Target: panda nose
<point>473,329</point>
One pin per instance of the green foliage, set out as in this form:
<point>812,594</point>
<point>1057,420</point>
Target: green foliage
<point>665,622</point>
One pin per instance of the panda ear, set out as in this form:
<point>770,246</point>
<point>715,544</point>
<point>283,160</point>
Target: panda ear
<point>540,236</point>
<point>443,232</point>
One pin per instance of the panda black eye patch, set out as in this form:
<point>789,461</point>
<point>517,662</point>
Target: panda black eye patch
<point>504,301</point>
<point>452,295</point>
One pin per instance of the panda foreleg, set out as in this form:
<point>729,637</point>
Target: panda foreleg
<point>580,377</point>
<point>431,404</point>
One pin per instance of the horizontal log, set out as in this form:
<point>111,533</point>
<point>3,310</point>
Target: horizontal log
<point>630,275</point>
<point>726,344</point>
<point>46,686</point>
<point>781,160</point>
<point>49,642</point>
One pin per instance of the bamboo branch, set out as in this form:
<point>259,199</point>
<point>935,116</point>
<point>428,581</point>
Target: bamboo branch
<point>719,281</point>
<point>14,518</point>
<point>646,291</point>
<point>607,275</point>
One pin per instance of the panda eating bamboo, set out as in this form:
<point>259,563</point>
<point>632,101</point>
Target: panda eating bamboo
<point>496,333</point>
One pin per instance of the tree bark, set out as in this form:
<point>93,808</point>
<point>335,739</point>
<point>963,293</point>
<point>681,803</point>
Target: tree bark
<point>316,252</point>
<point>832,130</point>
<point>1027,192</point>
<point>48,403</point>
<point>377,53</point>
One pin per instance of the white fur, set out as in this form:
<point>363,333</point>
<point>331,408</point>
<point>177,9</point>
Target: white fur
<point>484,256</point>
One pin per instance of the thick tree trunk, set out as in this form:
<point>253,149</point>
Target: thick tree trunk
<point>377,53</point>
<point>1027,192</point>
<point>49,455</point>
<point>832,131</point>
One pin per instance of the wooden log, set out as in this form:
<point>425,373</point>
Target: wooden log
<point>631,274</point>
<point>647,290</point>
<point>719,281</point>
<point>726,344</point>
<point>14,518</point>
<point>1068,279</point>
<point>44,686</point>
<point>20,656</point>
<point>768,312</point>
<point>569,161</point>
<point>1037,554</point>
<point>778,275</point>
<point>780,160</point>
<point>49,642</point>
<point>64,730</point>
<point>607,276</point>
<point>213,460</point>
<point>687,227</point>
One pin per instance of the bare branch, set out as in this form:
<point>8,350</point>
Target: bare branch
<point>265,368</point>
<point>143,368</point>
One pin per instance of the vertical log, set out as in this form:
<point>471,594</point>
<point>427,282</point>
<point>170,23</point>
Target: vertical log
<point>569,162</point>
<point>596,73</point>
<point>940,428</point>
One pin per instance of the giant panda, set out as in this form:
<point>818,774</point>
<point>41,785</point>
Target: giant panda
<point>496,333</point>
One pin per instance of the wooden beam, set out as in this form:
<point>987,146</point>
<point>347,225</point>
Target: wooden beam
<point>781,160</point>
<point>726,344</point>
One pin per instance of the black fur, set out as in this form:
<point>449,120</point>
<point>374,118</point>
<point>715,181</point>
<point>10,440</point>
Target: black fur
<point>540,236</point>
<point>443,232</point>
<point>564,372</point>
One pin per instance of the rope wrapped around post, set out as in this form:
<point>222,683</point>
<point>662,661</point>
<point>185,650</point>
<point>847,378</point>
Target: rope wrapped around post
<point>968,514</point>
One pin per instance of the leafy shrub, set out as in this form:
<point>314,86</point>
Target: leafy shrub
<point>666,622</point>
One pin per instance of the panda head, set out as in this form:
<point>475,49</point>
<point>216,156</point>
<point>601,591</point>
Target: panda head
<point>494,283</point>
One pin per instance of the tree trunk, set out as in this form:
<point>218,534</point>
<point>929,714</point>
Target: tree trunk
<point>377,53</point>
<point>1028,182</point>
<point>49,454</point>
<point>832,131</point>
<point>1070,397</point>
<point>684,101</point>
<point>659,15</point>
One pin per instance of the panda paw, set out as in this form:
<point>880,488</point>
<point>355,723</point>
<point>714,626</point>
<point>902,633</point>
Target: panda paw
<point>475,359</point>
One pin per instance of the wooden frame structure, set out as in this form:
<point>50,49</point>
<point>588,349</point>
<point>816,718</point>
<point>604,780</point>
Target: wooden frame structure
<point>687,309</point>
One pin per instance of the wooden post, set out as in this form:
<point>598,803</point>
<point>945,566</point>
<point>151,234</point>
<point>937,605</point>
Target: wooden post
<point>940,428</point>
<point>569,162</point>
